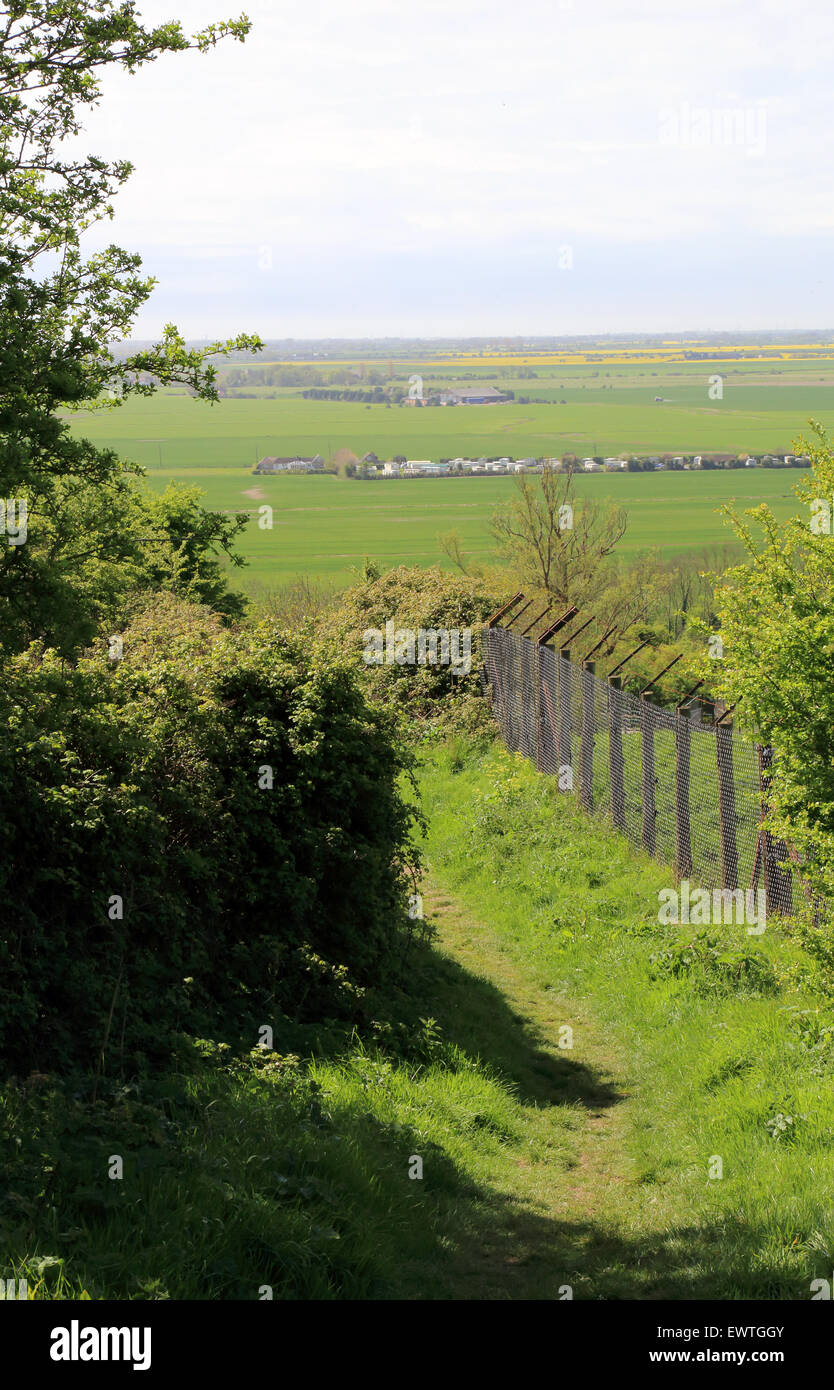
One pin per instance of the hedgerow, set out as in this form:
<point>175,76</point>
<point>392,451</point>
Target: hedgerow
<point>206,835</point>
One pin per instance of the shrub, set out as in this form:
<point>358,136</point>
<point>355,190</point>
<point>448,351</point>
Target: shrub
<point>417,599</point>
<point>776,614</point>
<point>153,880</point>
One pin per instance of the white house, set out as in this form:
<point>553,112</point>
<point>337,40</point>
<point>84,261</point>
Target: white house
<point>591,466</point>
<point>391,470</point>
<point>751,463</point>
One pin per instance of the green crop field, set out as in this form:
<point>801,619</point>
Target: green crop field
<point>326,525</point>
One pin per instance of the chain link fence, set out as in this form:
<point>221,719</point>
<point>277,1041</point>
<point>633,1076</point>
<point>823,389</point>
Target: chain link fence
<point>691,794</point>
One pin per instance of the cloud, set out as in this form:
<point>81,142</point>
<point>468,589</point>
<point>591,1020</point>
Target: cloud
<point>478,135</point>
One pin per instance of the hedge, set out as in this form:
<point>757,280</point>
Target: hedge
<point>153,882</point>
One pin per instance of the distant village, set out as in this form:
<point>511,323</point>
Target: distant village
<point>370,467</point>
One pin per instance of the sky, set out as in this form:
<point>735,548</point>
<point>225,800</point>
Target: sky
<point>445,169</point>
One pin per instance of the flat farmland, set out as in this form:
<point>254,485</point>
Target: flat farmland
<point>326,525</point>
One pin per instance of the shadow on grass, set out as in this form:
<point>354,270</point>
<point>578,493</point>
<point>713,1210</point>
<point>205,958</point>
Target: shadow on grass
<point>505,1247</point>
<point>315,1199</point>
<point>474,1014</point>
<point>514,1253</point>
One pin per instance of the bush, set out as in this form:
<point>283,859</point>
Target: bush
<point>154,881</point>
<point>776,616</point>
<point>414,600</point>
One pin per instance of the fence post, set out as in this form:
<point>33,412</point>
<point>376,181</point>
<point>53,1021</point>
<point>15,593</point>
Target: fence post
<point>515,695</point>
<point>683,828</point>
<point>648,780</point>
<point>778,883</point>
<point>537,663</point>
<point>565,754</point>
<point>586,749</point>
<point>531,721</point>
<point>726,805</point>
<point>492,673</point>
<point>550,728</point>
<point>616,764</point>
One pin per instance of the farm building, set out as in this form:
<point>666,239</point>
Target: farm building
<point>481,395</point>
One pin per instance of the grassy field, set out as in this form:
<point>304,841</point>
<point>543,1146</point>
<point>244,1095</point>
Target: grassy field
<point>324,526</point>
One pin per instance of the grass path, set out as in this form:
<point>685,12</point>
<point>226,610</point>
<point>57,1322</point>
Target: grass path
<point>556,1213</point>
<point>649,1160</point>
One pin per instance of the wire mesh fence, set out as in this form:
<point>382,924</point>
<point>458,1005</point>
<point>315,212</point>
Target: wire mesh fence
<point>692,795</point>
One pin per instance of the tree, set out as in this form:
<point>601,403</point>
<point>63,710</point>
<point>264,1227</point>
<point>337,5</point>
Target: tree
<point>551,541</point>
<point>776,615</point>
<point>60,313</point>
<point>451,543</point>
